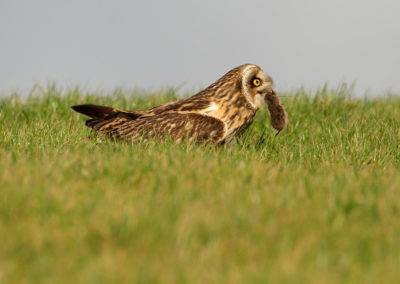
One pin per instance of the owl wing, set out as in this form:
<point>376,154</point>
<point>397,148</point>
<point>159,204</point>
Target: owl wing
<point>181,126</point>
<point>99,112</point>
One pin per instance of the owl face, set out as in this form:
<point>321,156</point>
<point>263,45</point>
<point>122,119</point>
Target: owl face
<point>255,84</point>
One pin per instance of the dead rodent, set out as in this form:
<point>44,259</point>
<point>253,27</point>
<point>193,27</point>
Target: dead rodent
<point>279,118</point>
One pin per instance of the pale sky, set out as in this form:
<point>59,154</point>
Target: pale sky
<point>154,44</point>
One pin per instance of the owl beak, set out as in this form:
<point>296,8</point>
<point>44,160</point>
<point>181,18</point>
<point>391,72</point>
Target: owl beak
<point>269,96</point>
<point>269,92</point>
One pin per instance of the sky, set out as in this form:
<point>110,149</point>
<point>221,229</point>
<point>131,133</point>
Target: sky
<point>156,44</point>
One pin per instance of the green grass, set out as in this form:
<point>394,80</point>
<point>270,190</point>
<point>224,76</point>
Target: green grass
<point>320,203</point>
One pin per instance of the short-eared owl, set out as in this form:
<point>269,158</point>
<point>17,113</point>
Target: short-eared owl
<point>215,114</point>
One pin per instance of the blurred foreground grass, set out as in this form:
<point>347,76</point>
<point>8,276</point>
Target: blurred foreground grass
<point>319,203</point>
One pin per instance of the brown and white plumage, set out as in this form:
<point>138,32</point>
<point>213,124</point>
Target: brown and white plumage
<point>215,114</point>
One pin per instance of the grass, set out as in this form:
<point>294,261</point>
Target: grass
<point>317,204</point>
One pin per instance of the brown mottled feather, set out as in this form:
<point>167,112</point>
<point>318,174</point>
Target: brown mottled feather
<point>190,126</point>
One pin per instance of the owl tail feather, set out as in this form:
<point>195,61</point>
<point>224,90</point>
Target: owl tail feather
<point>104,112</point>
<point>103,115</point>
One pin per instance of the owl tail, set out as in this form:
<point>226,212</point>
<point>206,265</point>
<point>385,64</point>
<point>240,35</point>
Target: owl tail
<point>101,114</point>
<point>104,112</point>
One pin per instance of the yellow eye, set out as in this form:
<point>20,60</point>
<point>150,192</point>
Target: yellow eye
<point>256,82</point>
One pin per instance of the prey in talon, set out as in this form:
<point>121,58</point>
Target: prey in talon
<point>214,115</point>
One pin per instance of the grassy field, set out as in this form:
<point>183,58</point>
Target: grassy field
<point>320,203</point>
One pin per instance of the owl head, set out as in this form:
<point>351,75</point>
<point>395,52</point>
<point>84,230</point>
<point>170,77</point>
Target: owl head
<point>254,84</point>
<point>248,80</point>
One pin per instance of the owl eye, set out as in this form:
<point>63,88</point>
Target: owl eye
<point>256,82</point>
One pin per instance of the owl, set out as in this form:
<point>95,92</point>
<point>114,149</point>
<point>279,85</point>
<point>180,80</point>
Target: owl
<point>214,115</point>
